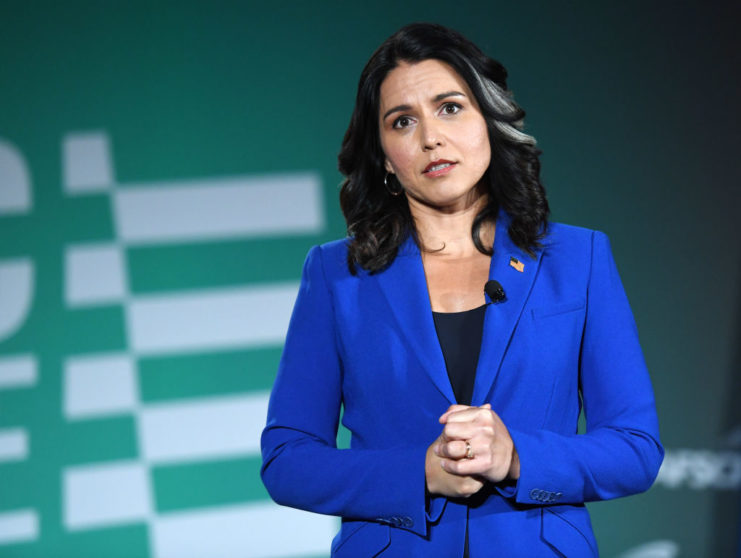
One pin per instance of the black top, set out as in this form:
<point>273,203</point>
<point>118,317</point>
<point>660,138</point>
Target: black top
<point>460,334</point>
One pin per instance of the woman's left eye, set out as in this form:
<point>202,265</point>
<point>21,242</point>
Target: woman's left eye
<point>450,108</point>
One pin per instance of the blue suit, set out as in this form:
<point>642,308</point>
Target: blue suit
<point>368,343</point>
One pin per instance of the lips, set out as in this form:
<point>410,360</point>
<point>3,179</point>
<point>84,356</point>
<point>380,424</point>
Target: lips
<point>438,167</point>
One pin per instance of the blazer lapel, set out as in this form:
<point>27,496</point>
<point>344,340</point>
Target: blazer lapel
<point>501,318</point>
<point>405,287</point>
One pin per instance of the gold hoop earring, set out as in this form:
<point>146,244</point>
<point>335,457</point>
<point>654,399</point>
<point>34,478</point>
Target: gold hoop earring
<point>389,190</point>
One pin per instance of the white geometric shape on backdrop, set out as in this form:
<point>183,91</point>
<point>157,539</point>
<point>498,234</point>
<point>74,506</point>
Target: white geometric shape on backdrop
<point>18,526</point>
<point>15,181</point>
<point>210,319</point>
<point>18,371</point>
<point>202,429</point>
<point>247,531</point>
<point>654,549</point>
<point>87,165</point>
<point>106,494</point>
<point>217,208</point>
<point>16,292</point>
<point>99,385</point>
<point>13,444</point>
<point>94,274</point>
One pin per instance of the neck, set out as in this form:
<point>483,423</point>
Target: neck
<point>448,233</point>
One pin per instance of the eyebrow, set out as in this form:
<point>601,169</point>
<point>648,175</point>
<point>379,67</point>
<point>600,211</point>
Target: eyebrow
<point>435,99</point>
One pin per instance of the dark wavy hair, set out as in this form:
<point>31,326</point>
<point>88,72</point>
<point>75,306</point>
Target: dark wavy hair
<point>379,222</point>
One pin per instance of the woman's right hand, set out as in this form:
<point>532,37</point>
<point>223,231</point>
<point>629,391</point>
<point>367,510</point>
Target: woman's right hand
<point>440,482</point>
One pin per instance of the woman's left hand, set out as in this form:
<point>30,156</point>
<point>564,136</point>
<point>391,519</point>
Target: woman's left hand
<point>492,454</point>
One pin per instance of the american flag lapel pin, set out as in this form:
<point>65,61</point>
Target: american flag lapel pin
<point>517,264</point>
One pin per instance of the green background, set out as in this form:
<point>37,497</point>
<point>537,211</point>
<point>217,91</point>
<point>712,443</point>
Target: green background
<point>634,104</point>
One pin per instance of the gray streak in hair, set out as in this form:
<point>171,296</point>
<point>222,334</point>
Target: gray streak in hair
<point>501,101</point>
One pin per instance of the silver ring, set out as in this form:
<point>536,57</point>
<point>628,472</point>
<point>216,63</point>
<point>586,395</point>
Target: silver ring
<point>469,450</point>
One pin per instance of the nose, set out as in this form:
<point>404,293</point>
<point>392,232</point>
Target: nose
<point>432,137</point>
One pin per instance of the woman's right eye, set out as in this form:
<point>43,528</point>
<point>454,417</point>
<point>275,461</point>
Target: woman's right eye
<point>402,122</point>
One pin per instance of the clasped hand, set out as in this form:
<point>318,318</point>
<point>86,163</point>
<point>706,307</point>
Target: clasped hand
<point>473,448</point>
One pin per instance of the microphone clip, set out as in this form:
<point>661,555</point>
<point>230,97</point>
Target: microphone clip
<point>495,291</point>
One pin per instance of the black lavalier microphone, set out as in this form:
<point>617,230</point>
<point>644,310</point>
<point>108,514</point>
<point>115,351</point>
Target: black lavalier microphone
<point>495,291</point>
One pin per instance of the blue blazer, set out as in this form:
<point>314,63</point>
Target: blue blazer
<point>564,337</point>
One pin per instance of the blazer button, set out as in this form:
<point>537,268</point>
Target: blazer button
<point>407,521</point>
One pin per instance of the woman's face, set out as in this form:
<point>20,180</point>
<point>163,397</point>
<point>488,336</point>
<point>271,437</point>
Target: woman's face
<point>433,135</point>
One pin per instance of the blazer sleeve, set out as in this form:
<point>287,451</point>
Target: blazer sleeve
<point>302,466</point>
<point>620,453</point>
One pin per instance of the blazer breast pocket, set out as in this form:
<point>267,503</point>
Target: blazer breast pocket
<point>554,338</point>
<point>542,312</point>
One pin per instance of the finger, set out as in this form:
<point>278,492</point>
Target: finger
<point>436,447</point>
<point>452,409</point>
<point>459,408</point>
<point>472,414</point>
<point>456,449</point>
<point>462,467</point>
<point>460,431</point>
<point>484,462</point>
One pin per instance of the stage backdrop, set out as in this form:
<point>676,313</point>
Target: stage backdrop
<point>164,169</point>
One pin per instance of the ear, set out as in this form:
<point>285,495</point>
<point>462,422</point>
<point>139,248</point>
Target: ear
<point>388,167</point>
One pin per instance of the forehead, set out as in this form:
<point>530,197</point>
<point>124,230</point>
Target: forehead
<point>419,81</point>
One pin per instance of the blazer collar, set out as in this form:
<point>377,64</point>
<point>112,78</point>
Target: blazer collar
<point>405,287</point>
<point>516,271</point>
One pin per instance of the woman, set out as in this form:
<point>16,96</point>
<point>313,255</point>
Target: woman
<point>463,406</point>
